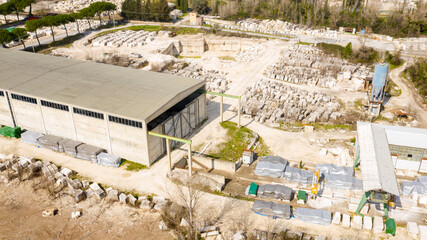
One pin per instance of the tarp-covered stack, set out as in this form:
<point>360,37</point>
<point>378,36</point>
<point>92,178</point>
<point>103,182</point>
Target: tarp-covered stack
<point>31,137</point>
<point>418,186</point>
<point>88,152</point>
<point>343,182</point>
<point>50,142</point>
<point>271,166</point>
<point>275,191</point>
<point>69,146</point>
<point>14,132</point>
<point>299,175</point>
<point>108,160</point>
<point>327,168</point>
<point>272,209</point>
<point>338,176</point>
<point>316,216</point>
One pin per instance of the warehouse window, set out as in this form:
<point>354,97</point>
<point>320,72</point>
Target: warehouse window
<point>88,113</point>
<point>24,98</point>
<point>125,121</point>
<point>1,94</point>
<point>54,105</point>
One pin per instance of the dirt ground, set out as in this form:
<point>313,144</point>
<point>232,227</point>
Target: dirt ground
<point>22,203</point>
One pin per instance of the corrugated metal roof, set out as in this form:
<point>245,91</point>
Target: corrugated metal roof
<point>406,136</point>
<point>380,75</point>
<point>375,159</point>
<point>136,94</point>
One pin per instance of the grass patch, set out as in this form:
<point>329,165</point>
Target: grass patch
<point>392,66</point>
<point>358,103</point>
<point>181,57</point>
<point>227,58</point>
<point>261,148</point>
<point>207,25</point>
<point>80,178</point>
<point>393,90</point>
<point>237,140</point>
<point>132,166</point>
<point>304,43</point>
<point>63,43</point>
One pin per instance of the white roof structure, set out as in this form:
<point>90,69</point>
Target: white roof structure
<point>406,136</point>
<point>375,159</point>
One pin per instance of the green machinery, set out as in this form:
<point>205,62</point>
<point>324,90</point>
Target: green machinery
<point>380,197</point>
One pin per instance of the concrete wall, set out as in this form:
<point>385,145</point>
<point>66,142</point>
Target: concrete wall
<point>156,145</point>
<point>5,117</point>
<point>129,142</point>
<point>91,130</point>
<point>211,163</point>
<point>58,122</point>
<point>27,115</point>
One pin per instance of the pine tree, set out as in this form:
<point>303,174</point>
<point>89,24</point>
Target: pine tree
<point>147,11</point>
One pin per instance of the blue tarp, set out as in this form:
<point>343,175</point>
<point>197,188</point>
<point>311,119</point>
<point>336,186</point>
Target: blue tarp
<point>378,82</point>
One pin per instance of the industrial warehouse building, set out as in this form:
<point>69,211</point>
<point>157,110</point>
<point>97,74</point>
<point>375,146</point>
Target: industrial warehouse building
<point>405,147</point>
<point>103,105</point>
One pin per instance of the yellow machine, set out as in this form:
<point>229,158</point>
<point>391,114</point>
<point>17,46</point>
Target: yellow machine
<point>315,188</point>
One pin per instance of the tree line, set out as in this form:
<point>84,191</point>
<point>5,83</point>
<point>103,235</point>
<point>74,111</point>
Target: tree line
<point>352,13</point>
<point>87,13</point>
<point>158,10</point>
<point>15,6</point>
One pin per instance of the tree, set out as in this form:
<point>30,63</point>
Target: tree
<point>64,19</point>
<point>87,13</point>
<point>100,7</point>
<point>33,25</point>
<point>5,36</point>
<point>161,11</point>
<point>24,3</point>
<point>16,7</point>
<point>76,17</point>
<point>51,21</point>
<point>5,9</point>
<point>200,6</point>
<point>146,11</point>
<point>21,34</point>
<point>131,9</point>
<point>347,52</point>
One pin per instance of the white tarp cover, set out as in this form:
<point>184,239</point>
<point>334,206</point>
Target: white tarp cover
<point>69,146</point>
<point>50,142</point>
<point>31,137</point>
<point>272,166</point>
<point>418,186</point>
<point>276,191</point>
<point>108,160</point>
<point>327,168</point>
<point>316,216</point>
<point>299,175</point>
<point>272,209</point>
<point>88,152</point>
<point>343,182</point>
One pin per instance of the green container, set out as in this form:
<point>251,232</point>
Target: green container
<point>11,132</point>
<point>253,189</point>
<point>302,195</point>
<point>390,226</point>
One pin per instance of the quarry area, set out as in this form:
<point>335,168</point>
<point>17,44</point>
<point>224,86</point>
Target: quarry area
<point>253,131</point>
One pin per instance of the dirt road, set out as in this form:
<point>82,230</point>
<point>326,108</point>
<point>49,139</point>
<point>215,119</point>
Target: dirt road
<point>409,98</point>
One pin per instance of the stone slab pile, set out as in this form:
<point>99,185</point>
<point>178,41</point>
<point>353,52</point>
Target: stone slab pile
<point>215,80</point>
<point>249,54</point>
<point>273,101</point>
<point>307,65</point>
<point>125,39</point>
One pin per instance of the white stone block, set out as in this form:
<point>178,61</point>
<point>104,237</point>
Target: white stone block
<point>337,218</point>
<point>378,224</point>
<point>367,223</point>
<point>346,220</point>
<point>423,232</point>
<point>357,222</point>
<point>412,229</point>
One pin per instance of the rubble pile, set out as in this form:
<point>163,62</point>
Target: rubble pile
<point>303,64</point>
<point>249,54</point>
<point>273,101</point>
<point>277,27</point>
<point>125,38</point>
<point>12,167</point>
<point>76,5</point>
<point>215,80</point>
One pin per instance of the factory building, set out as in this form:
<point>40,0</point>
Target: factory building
<point>102,105</point>
<point>406,147</point>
